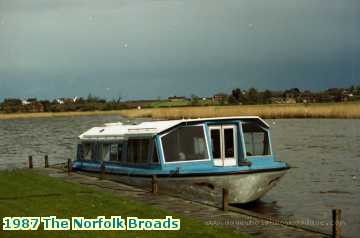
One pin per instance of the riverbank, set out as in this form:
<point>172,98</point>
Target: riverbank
<point>320,110</point>
<point>28,193</point>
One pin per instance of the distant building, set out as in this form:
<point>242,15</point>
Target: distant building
<point>25,102</point>
<point>176,98</point>
<point>277,100</point>
<point>290,100</point>
<point>60,101</point>
<point>68,101</point>
<point>34,107</point>
<point>220,97</point>
<point>308,97</point>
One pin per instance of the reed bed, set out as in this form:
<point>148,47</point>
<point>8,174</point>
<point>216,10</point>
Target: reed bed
<point>334,110</point>
<point>340,110</point>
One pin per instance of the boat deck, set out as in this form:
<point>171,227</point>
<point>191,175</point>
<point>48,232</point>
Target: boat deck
<point>236,219</point>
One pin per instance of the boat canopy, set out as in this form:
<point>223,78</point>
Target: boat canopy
<point>120,131</point>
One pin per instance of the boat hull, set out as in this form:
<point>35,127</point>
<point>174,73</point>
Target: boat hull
<point>242,187</point>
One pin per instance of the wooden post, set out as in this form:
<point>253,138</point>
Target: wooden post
<point>69,166</point>
<point>30,162</point>
<point>102,170</point>
<point>225,195</point>
<point>336,218</point>
<point>154,185</point>
<point>46,160</point>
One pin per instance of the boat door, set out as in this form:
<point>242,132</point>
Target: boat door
<point>224,144</point>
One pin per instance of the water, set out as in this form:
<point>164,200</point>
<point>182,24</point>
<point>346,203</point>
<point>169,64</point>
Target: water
<point>325,154</point>
<point>56,137</point>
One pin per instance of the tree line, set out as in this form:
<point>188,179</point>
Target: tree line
<point>237,96</point>
<point>293,95</point>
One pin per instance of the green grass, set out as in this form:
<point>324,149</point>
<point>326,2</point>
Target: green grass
<point>166,103</point>
<point>65,200</point>
<point>181,103</point>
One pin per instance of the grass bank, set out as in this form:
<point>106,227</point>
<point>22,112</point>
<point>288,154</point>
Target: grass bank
<point>320,110</point>
<point>27,193</point>
<point>333,110</point>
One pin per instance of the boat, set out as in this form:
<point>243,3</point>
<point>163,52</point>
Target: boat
<point>195,157</point>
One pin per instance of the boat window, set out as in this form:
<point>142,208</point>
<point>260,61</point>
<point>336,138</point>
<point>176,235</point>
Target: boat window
<point>86,151</point>
<point>94,151</point>
<point>185,144</point>
<point>256,139</point>
<point>104,151</point>
<point>229,143</point>
<point>137,151</point>
<point>215,141</point>
<point>154,158</point>
<point>116,152</point>
<point>80,152</point>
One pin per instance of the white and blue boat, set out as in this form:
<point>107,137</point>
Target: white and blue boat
<point>199,157</point>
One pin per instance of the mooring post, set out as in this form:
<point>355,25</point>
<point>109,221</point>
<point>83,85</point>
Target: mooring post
<point>225,195</point>
<point>30,162</point>
<point>154,185</point>
<point>46,160</point>
<point>69,166</point>
<point>102,170</point>
<point>336,219</point>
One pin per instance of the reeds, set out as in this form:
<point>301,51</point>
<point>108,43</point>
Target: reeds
<point>340,110</point>
<point>325,110</point>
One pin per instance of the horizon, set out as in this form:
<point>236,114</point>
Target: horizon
<point>150,49</point>
<point>165,97</point>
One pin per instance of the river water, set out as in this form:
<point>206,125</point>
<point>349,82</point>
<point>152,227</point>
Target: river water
<point>324,154</point>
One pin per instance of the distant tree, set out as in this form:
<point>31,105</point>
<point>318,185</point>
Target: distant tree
<point>12,101</point>
<point>232,100</point>
<point>336,94</point>
<point>80,100</point>
<point>119,99</point>
<point>47,105</point>
<point>11,105</point>
<point>352,88</point>
<point>267,95</point>
<point>91,98</point>
<point>236,94</point>
<point>194,100</point>
<point>252,96</point>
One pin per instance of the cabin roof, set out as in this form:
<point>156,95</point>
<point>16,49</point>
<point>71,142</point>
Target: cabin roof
<point>144,129</point>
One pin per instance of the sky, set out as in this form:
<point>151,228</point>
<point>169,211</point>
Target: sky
<point>143,49</point>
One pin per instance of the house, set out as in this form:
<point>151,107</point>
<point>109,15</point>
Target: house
<point>290,100</point>
<point>34,107</point>
<point>60,101</point>
<point>308,97</point>
<point>277,100</point>
<point>220,98</point>
<point>25,102</point>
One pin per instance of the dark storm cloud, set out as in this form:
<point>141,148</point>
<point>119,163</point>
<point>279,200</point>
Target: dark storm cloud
<point>144,49</point>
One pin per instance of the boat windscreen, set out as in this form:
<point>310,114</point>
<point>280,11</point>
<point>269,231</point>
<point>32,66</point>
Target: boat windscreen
<point>185,143</point>
<point>256,139</point>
